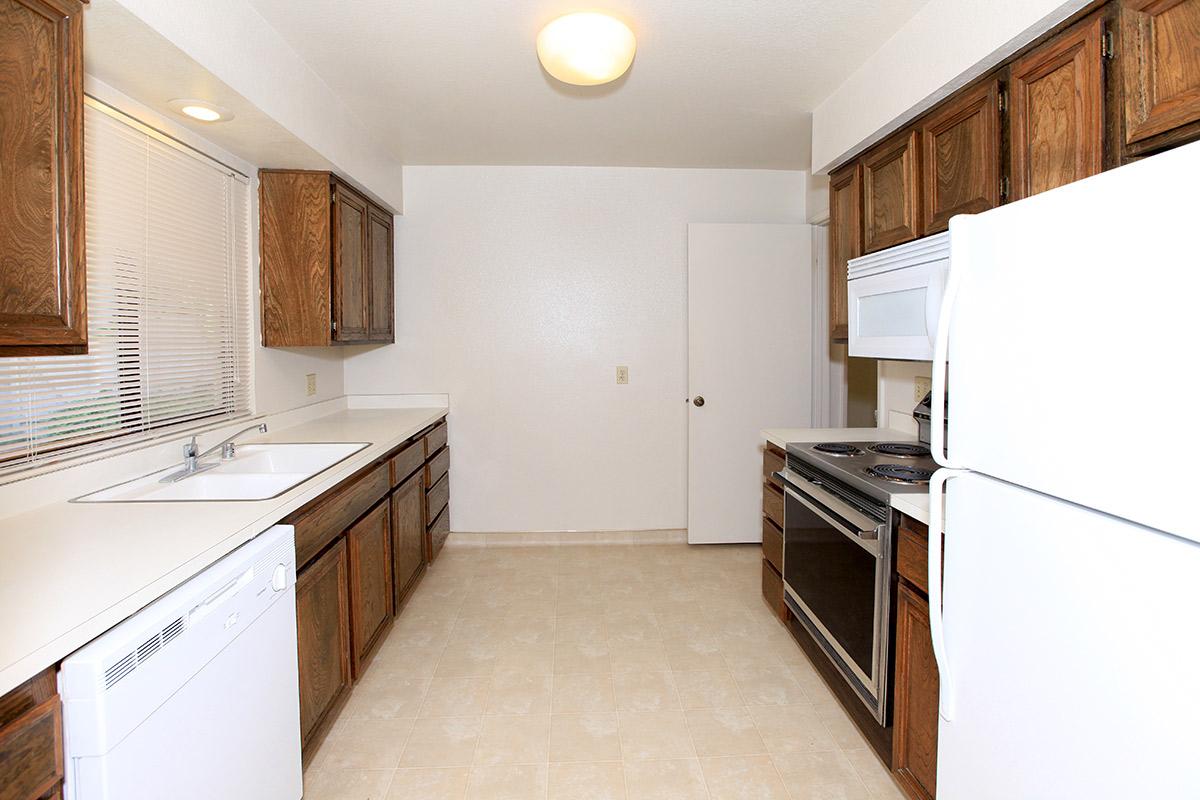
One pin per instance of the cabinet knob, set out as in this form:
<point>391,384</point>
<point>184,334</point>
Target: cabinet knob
<point>698,401</point>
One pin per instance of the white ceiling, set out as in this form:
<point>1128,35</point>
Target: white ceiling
<point>716,83</point>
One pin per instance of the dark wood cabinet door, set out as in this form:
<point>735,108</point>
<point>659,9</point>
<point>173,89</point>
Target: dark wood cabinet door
<point>892,193</point>
<point>350,278</point>
<point>408,534</point>
<point>370,550</point>
<point>380,321</point>
<point>323,639</point>
<point>43,289</point>
<point>1160,58</point>
<point>845,243</point>
<point>961,161</point>
<point>914,747</point>
<point>1057,120</point>
<point>294,258</point>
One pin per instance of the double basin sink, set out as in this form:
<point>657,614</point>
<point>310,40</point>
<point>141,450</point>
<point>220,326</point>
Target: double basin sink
<point>256,472</point>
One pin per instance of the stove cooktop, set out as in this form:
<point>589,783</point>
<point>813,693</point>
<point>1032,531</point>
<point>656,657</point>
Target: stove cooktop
<point>879,469</point>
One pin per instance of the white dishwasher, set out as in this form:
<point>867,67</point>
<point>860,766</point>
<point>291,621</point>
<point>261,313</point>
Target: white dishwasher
<point>195,697</point>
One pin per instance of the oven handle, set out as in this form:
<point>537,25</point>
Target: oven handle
<point>866,535</point>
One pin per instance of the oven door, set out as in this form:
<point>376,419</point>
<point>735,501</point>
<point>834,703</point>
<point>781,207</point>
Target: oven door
<point>835,572</point>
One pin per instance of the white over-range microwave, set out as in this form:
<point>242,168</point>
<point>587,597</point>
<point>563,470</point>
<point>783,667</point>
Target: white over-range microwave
<point>895,297</point>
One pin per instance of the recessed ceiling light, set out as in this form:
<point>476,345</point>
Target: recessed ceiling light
<point>586,49</point>
<point>200,110</point>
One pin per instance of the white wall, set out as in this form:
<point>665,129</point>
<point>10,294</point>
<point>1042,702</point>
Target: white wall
<point>231,40</point>
<point>944,46</point>
<point>898,392</point>
<point>519,290</point>
<point>279,375</point>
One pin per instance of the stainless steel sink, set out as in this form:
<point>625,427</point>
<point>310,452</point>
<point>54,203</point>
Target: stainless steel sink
<point>257,472</point>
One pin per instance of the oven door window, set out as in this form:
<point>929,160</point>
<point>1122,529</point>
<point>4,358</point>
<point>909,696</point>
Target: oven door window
<point>835,578</point>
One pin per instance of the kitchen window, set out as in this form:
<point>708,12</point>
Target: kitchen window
<point>168,303</point>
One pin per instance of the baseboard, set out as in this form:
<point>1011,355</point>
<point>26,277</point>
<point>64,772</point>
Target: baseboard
<point>566,538</point>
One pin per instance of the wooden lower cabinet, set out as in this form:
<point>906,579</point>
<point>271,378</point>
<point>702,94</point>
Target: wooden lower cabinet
<point>914,747</point>
<point>408,536</point>
<point>323,639</point>
<point>774,459</point>
<point>31,746</point>
<point>369,552</point>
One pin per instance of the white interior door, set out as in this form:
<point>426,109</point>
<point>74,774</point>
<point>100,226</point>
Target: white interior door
<point>749,358</point>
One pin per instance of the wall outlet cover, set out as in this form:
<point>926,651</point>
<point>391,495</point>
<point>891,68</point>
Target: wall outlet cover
<point>311,383</point>
<point>622,375</point>
<point>921,387</point>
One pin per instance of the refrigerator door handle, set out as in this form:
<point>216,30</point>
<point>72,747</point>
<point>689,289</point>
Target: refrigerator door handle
<point>937,485</point>
<point>941,347</point>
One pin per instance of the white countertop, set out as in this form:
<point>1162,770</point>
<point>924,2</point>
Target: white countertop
<point>915,505</point>
<point>70,571</point>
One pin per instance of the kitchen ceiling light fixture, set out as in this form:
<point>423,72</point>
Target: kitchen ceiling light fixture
<point>586,49</point>
<point>200,110</point>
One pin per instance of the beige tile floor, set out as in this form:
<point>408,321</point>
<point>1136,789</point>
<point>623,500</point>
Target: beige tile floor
<point>589,672</point>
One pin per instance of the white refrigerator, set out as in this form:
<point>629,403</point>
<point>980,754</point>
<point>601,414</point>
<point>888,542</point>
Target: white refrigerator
<point>1065,609</point>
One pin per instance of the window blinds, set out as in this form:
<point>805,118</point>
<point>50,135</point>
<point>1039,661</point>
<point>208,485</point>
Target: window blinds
<point>168,302</point>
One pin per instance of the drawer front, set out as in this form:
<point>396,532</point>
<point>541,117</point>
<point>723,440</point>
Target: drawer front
<point>773,461</point>
<point>912,555</point>
<point>438,466</point>
<point>438,533</point>
<point>31,761</point>
<point>772,590</point>
<point>333,512</point>
<point>772,545</point>
<point>773,504</point>
<point>436,499</point>
<point>435,440</point>
<point>406,462</point>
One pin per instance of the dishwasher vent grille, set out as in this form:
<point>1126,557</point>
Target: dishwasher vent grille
<point>130,661</point>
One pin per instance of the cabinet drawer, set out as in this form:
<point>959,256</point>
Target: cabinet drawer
<point>772,590</point>
<point>438,533</point>
<point>435,440</point>
<point>31,761</point>
<point>773,461</point>
<point>329,515</point>
<point>436,499</point>
<point>912,554</point>
<point>406,462</point>
<point>438,466</point>
<point>772,544</point>
<point>773,504</point>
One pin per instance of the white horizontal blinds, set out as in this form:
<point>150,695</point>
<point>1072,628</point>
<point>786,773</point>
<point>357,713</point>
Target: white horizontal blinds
<point>168,302</point>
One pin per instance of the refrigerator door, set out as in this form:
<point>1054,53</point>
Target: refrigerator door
<point>1072,648</point>
<point>1073,323</point>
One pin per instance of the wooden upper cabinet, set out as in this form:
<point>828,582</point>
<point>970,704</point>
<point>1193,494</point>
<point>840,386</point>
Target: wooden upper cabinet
<point>892,193</point>
<point>1160,59</point>
<point>961,160</point>
<point>326,262</point>
<point>350,269</point>
<point>1057,120</point>
<point>380,319</point>
<point>845,242</point>
<point>43,288</point>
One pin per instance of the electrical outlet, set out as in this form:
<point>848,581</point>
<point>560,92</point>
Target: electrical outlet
<point>622,374</point>
<point>311,383</point>
<point>921,387</point>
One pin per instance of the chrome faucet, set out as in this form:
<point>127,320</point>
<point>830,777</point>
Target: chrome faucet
<point>192,458</point>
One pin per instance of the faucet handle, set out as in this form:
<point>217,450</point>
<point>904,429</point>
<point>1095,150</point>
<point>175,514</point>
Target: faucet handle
<point>191,449</point>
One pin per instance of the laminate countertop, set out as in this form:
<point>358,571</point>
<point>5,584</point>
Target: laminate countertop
<point>70,571</point>
<point>915,505</point>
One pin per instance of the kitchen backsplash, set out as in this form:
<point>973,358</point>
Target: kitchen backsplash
<point>900,383</point>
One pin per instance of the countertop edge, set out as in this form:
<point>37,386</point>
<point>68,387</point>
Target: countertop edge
<point>66,642</point>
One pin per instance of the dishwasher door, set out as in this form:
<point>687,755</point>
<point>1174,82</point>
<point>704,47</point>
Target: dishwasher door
<point>196,696</point>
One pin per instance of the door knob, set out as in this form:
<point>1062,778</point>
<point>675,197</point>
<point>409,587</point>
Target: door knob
<point>698,401</point>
